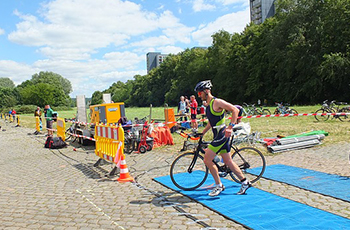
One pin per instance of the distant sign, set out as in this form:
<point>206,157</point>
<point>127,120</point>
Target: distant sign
<point>106,98</point>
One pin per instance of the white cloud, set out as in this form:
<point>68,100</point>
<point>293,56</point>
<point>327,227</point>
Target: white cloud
<point>73,34</point>
<point>86,77</point>
<point>152,41</point>
<point>160,7</point>
<point>170,49</point>
<point>83,26</point>
<point>17,72</point>
<point>229,2</point>
<point>234,22</point>
<point>65,53</point>
<point>199,5</point>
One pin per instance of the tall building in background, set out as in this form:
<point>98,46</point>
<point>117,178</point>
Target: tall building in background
<point>154,59</point>
<point>260,10</point>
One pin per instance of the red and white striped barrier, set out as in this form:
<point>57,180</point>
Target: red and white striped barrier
<point>77,135</point>
<point>108,132</point>
<point>241,117</point>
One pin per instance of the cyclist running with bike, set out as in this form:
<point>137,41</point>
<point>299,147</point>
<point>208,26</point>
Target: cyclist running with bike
<point>222,134</point>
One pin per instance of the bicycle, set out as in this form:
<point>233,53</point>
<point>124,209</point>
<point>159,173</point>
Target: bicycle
<point>346,109</point>
<point>332,107</point>
<point>264,111</point>
<point>327,107</point>
<point>188,171</point>
<point>187,145</point>
<point>284,109</point>
<point>253,110</point>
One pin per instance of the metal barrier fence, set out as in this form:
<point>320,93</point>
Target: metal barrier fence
<point>109,143</point>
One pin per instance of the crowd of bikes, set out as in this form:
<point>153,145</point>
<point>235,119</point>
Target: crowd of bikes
<point>328,110</point>
<point>252,109</point>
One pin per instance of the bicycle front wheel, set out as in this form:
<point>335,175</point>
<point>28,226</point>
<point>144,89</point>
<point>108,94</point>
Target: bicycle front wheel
<point>186,177</point>
<point>321,117</point>
<point>251,162</point>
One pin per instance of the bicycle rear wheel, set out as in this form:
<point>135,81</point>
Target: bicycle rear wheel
<point>344,117</point>
<point>184,177</point>
<point>128,146</point>
<point>249,160</point>
<point>293,111</point>
<point>321,117</point>
<point>266,112</point>
<point>258,111</point>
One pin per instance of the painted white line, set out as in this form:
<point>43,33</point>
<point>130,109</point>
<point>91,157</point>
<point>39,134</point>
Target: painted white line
<point>99,209</point>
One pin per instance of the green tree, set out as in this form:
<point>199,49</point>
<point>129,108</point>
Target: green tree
<point>7,97</point>
<point>6,82</point>
<point>46,88</point>
<point>53,79</point>
<point>42,94</point>
<point>97,98</point>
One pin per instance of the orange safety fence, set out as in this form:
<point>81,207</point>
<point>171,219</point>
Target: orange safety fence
<point>162,136</point>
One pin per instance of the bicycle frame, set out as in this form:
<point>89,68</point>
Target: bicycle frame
<point>198,149</point>
<point>222,168</point>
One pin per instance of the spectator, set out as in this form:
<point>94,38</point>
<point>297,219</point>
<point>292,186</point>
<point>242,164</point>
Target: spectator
<point>49,121</point>
<point>187,104</point>
<point>10,113</point>
<point>13,113</point>
<point>194,106</point>
<point>38,113</point>
<point>181,108</point>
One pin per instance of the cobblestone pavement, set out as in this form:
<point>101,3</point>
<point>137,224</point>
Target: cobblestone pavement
<point>61,189</point>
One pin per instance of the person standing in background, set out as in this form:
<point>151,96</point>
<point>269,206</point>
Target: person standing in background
<point>49,120</point>
<point>194,106</point>
<point>37,113</point>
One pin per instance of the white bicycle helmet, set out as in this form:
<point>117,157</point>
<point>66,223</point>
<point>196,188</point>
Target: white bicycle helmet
<point>203,85</point>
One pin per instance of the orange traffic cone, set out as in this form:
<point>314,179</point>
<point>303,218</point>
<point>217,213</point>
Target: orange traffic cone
<point>124,172</point>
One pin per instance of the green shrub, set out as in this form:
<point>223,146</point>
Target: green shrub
<point>25,109</point>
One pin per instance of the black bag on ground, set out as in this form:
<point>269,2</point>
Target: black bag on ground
<point>55,143</point>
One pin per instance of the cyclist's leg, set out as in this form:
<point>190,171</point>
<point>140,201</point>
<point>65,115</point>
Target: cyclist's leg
<point>232,165</point>
<point>208,160</point>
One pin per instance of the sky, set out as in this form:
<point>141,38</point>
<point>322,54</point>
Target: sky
<point>94,43</point>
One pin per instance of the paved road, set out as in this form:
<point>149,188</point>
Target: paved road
<point>60,189</point>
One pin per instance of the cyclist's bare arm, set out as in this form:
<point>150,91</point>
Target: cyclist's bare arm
<point>207,127</point>
<point>220,104</point>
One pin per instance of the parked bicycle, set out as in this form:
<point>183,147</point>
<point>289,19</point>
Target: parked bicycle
<point>284,109</point>
<point>188,171</point>
<point>264,111</point>
<point>251,109</point>
<point>338,109</point>
<point>328,108</point>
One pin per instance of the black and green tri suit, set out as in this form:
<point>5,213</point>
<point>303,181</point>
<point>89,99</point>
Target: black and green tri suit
<point>220,144</point>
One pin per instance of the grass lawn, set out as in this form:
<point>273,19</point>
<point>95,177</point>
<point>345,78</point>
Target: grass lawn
<point>269,127</point>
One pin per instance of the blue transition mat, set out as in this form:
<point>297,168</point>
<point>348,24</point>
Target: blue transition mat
<point>259,209</point>
<point>319,182</point>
